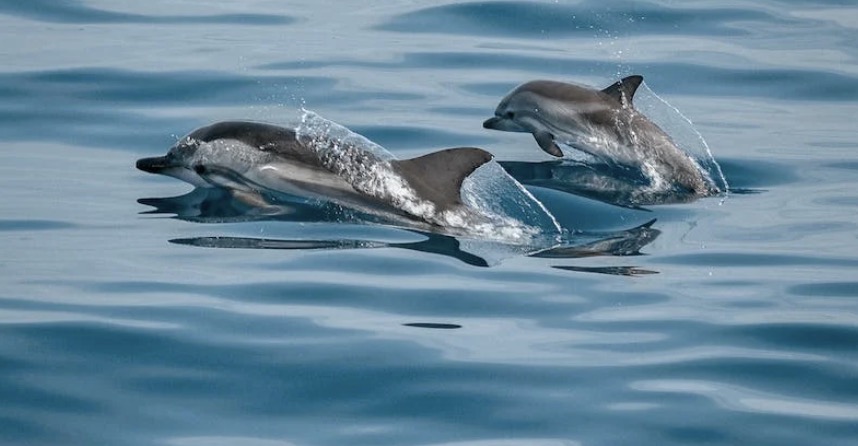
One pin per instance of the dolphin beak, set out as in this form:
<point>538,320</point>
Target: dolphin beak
<point>492,123</point>
<point>156,164</point>
<point>504,125</point>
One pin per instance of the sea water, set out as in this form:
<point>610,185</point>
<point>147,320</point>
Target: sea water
<point>722,322</point>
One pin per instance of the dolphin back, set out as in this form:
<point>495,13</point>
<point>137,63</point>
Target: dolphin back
<point>273,139</point>
<point>438,176</point>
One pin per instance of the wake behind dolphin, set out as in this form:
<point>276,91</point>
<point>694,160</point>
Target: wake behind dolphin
<point>324,161</point>
<point>604,124</point>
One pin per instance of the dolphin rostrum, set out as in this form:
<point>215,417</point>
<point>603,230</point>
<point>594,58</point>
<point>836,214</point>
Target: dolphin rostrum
<point>249,157</point>
<point>602,123</point>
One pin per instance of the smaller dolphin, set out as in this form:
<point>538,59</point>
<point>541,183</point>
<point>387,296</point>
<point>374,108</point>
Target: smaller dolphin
<point>602,123</point>
<point>249,157</point>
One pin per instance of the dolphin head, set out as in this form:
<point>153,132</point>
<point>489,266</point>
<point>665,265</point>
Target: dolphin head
<point>201,157</point>
<point>530,108</point>
<point>560,112</point>
<point>180,162</point>
<point>516,112</point>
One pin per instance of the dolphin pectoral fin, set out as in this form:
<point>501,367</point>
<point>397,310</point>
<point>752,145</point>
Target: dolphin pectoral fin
<point>624,89</point>
<point>438,176</point>
<point>546,143</point>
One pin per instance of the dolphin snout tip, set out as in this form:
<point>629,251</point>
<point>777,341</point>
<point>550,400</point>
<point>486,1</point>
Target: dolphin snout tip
<point>490,123</point>
<point>152,165</point>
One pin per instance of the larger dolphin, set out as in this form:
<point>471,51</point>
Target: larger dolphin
<point>246,156</point>
<point>602,123</point>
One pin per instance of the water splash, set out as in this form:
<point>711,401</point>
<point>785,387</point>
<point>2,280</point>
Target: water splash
<point>492,191</point>
<point>681,129</point>
<point>496,206</point>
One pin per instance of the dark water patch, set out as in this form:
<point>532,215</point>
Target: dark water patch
<point>808,337</point>
<point>19,428</point>
<point>13,365</point>
<point>444,301</point>
<point>833,289</point>
<point>129,351</point>
<point>398,137</point>
<point>587,214</point>
<point>532,20</point>
<point>459,111</point>
<point>433,325</point>
<point>846,165</point>
<point>787,83</point>
<point>75,12</point>
<point>751,260</point>
<point>100,86</point>
<point>815,379</point>
<point>94,111</point>
<point>838,201</point>
<point>85,128</point>
<point>35,225</point>
<point>677,78</point>
<point>743,174</point>
<point>92,89</point>
<point>832,144</point>
<point>671,77</point>
<point>26,397</point>
<point>690,434</point>
<point>219,324</point>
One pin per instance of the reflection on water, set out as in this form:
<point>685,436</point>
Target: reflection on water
<point>433,325</point>
<point>215,205</point>
<point>607,183</point>
<point>620,186</point>
<point>630,271</point>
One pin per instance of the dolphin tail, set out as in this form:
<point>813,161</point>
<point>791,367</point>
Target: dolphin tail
<point>624,89</point>
<point>438,176</point>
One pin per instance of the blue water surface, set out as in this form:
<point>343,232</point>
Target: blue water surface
<point>728,320</point>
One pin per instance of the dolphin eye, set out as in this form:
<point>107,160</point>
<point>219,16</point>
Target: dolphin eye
<point>509,115</point>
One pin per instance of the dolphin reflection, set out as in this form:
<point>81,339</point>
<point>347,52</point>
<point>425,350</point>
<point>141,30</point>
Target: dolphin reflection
<point>607,183</point>
<point>215,205</point>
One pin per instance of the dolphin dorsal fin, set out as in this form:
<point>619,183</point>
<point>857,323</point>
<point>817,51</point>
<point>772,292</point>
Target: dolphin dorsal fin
<point>438,176</point>
<point>624,89</point>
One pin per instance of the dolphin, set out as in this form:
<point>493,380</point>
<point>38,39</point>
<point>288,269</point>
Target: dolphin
<point>249,157</point>
<point>602,123</point>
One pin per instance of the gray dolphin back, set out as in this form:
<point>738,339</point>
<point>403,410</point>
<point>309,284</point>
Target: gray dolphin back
<point>438,176</point>
<point>270,138</point>
<point>252,133</point>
